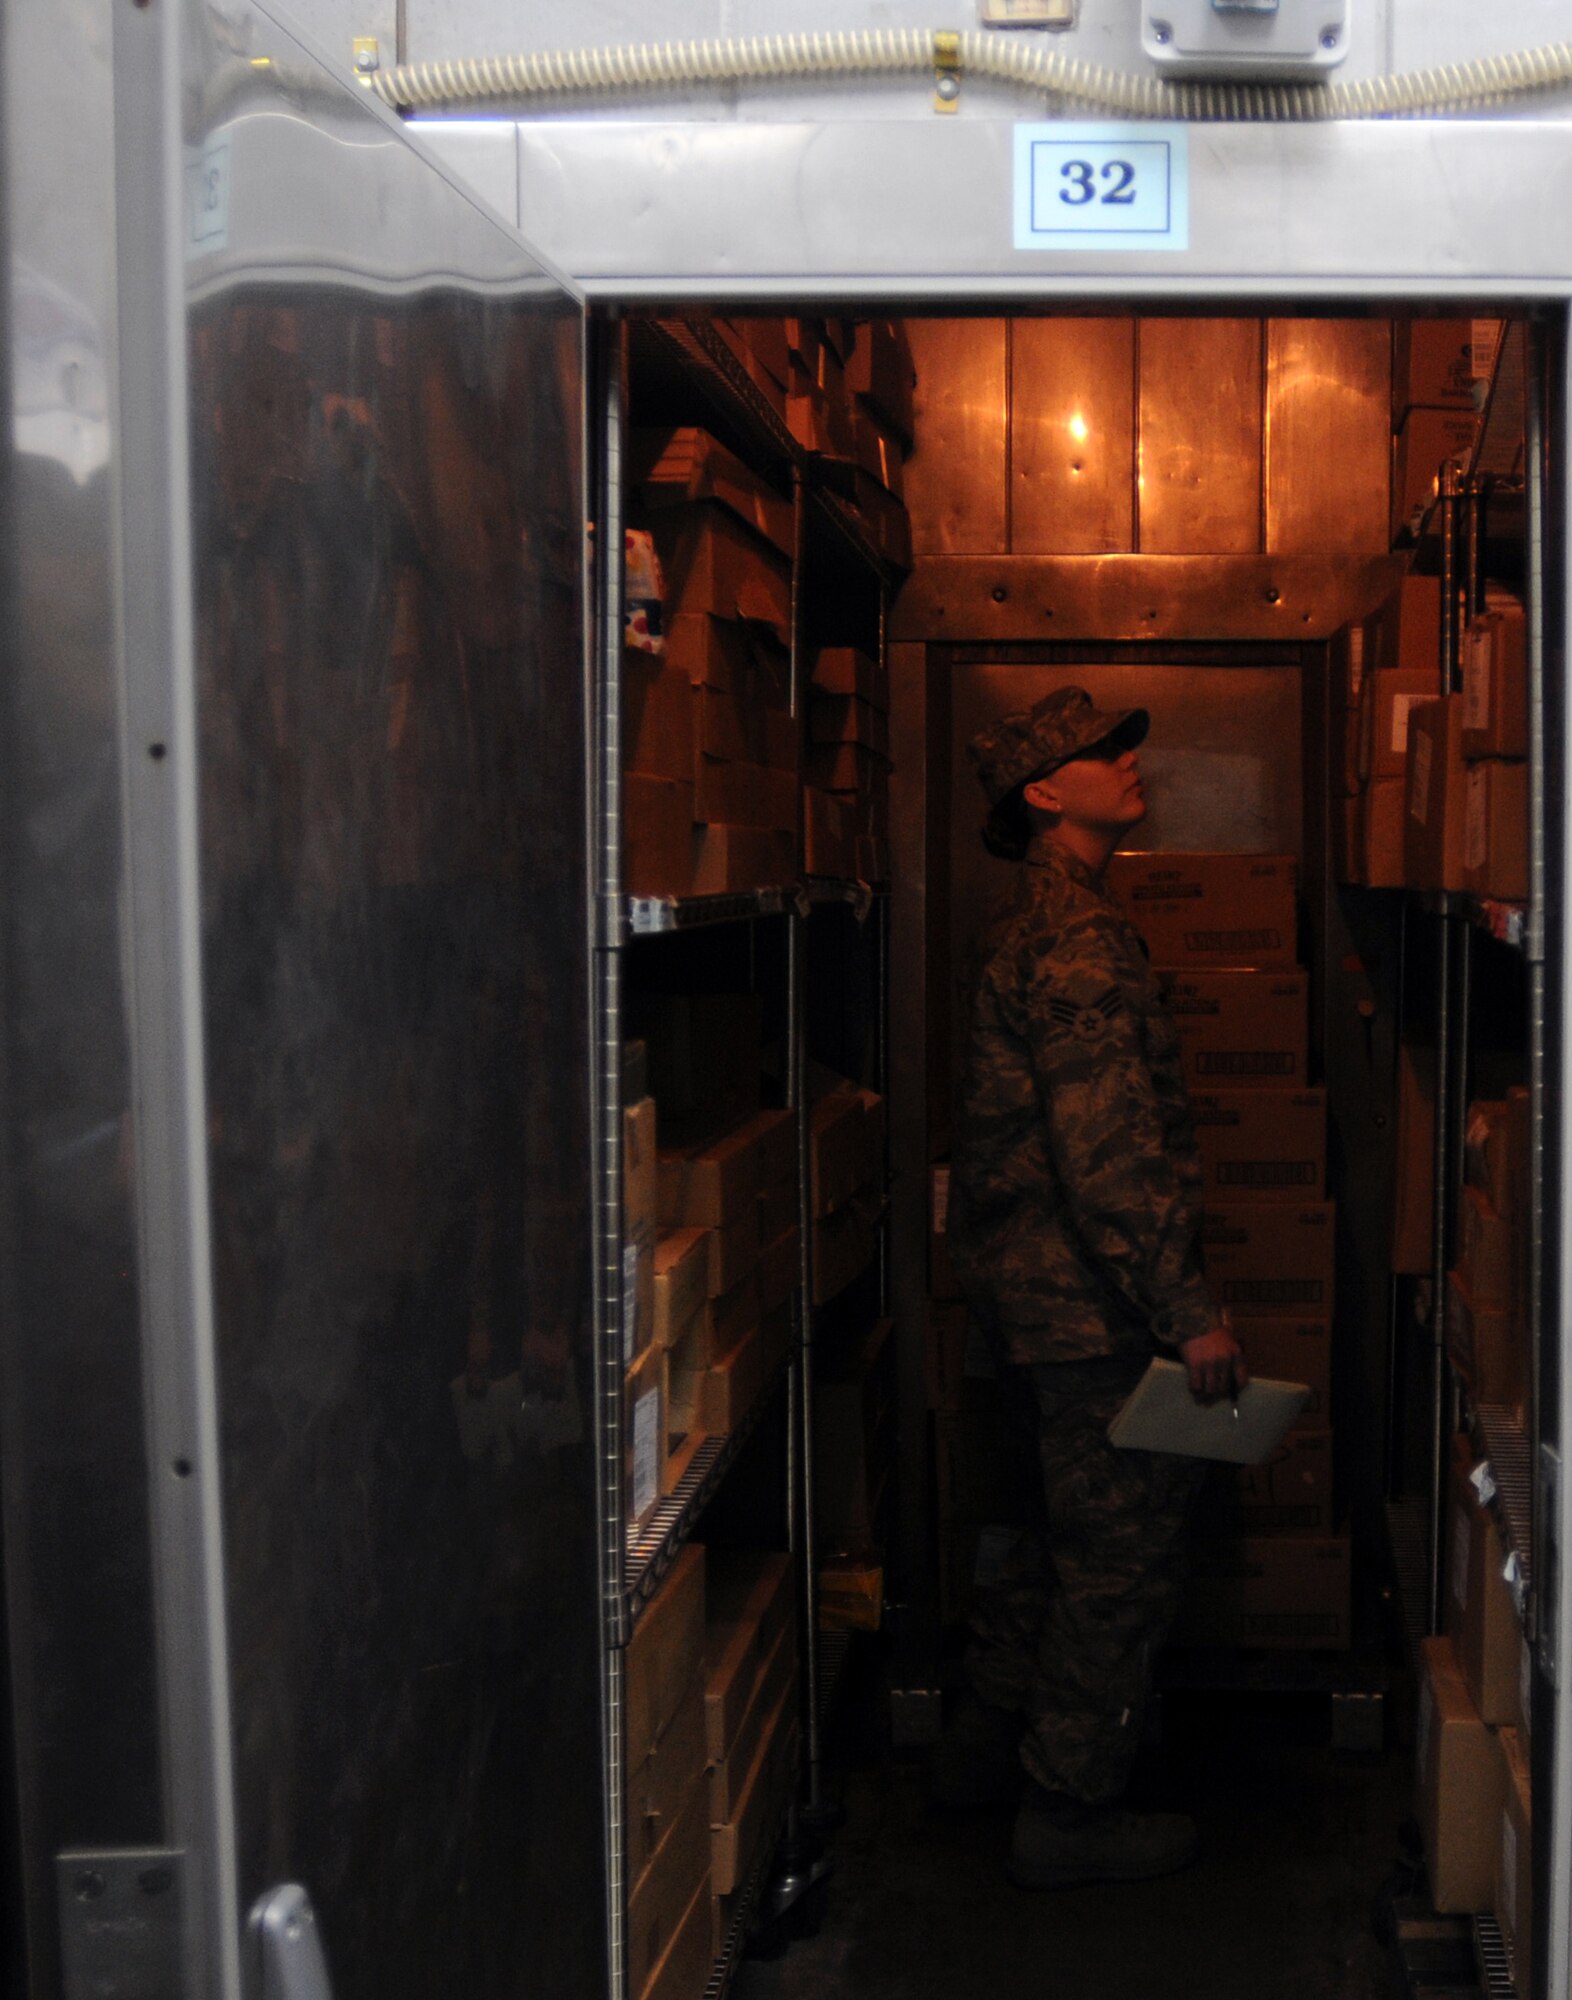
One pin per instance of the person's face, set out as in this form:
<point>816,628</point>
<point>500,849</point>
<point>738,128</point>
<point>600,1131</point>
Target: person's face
<point>1100,792</point>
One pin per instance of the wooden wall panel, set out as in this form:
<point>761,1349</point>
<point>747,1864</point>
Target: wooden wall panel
<point>1198,489</point>
<point>1072,426</point>
<point>955,479</point>
<point>1328,435</point>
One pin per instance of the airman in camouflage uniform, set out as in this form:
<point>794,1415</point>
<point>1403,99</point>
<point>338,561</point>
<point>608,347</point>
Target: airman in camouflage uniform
<point>1074,1225</point>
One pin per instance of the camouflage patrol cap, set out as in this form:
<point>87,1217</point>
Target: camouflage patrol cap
<point>1034,741</point>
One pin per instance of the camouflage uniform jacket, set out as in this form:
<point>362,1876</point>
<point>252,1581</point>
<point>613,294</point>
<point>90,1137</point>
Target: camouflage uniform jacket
<point>1075,1201</point>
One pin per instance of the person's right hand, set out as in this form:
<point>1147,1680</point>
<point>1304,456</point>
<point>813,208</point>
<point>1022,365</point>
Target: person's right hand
<point>1216,1363</point>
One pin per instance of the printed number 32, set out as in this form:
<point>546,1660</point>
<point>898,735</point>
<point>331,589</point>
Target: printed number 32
<point>1082,179</point>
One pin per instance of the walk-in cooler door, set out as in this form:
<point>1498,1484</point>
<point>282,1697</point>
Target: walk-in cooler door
<point>300,1515</point>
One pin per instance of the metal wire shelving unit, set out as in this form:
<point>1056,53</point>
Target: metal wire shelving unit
<point>684,366</point>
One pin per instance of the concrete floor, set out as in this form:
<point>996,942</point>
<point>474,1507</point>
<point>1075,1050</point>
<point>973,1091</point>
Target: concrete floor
<point>1298,1846</point>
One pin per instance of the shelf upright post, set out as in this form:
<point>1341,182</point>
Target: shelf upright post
<point>881,998</point>
<point>605,850</point>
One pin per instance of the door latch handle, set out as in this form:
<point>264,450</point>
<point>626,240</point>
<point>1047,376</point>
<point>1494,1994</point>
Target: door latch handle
<point>285,1947</point>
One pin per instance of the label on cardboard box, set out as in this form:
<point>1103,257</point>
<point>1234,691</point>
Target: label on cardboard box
<point>1420,757</point>
<point>1476,823</point>
<point>1401,704</point>
<point>1477,663</point>
<point>649,1447</point>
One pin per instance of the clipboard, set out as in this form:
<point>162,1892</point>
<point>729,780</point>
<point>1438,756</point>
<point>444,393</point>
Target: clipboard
<point>1162,1415</point>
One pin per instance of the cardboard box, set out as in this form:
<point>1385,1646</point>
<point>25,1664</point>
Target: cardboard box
<point>714,1400</point>
<point>760,372</point>
<point>716,565</point>
<point>1495,684</point>
<point>657,835</point>
<point>1211,909</point>
<point>1427,440</point>
<point>778,1209</point>
<point>1406,630</point>
<point>1260,1591</point>
<point>1261,1145</point>
<point>659,1905</point>
<point>710,1186</point>
<point>1433,824</point>
<point>846,672</point>
<point>751,1607</point>
<point>1479,1616</point>
<point>736,1846</point>
<point>1488,1346</point>
<point>727,859</point>
<point>644,1460</point>
<point>722,1322</point>
<point>683,1967</point>
<point>1485,1252</point>
<point>1239,1029</point>
<point>682,1258</point>
<point>1390,695</point>
<point>1292,1350</point>
<point>674,468</point>
<point>847,767</point>
<point>738,660</point>
<point>773,1136</point>
<point>744,795</point>
<point>847,718</point>
<point>732,1252</point>
<point>1458,1776</point>
<point>665,1655</point>
<point>660,1777</point>
<point>880,371</point>
<point>657,718</point>
<point>729,1773</point>
<point>1513,1887</point>
<point>1383,813</point>
<point>837,1148</point>
<point>1432,365</point>
<point>1291,1494</point>
<point>640,1182</point>
<point>1414,1165</point>
<point>1495,831</point>
<point>1266,1259</point>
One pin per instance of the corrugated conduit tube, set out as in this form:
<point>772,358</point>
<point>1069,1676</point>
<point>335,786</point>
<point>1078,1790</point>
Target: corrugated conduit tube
<point>917,52</point>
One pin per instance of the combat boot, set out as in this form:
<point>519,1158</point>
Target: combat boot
<point>976,1762</point>
<point>1059,1842</point>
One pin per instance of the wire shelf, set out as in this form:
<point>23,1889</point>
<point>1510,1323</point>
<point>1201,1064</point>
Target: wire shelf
<point>657,916</point>
<point>710,366</point>
<point>1502,1439</point>
<point>653,1548</point>
<point>1497,1973</point>
<point>1507,923</point>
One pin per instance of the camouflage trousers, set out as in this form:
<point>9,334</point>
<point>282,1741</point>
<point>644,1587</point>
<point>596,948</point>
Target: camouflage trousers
<point>1071,1612</point>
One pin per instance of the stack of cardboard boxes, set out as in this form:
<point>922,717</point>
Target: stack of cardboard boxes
<point>711,1706</point>
<point>1474,1724</point>
<point>1440,368</point>
<point>847,810</point>
<point>711,1233</point>
<point>1270,1570</point>
<point>1382,669</point>
<point>710,746</point>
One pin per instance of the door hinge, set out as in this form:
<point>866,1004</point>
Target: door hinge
<point>120,1922</point>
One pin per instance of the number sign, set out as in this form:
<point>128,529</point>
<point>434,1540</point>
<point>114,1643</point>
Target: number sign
<point>1102,187</point>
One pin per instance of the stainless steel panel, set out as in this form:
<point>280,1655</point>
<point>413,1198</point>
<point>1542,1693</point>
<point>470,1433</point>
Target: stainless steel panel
<point>386,411</point>
<point>77,1539</point>
<point>1199,418</point>
<point>1026,598</point>
<point>1072,436</point>
<point>1328,435</point>
<point>921,208</point>
<point>956,477</point>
